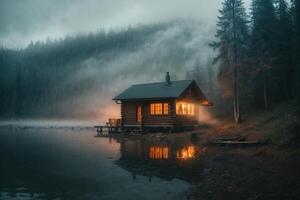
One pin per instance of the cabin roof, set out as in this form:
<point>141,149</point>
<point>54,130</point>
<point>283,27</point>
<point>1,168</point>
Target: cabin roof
<point>155,90</point>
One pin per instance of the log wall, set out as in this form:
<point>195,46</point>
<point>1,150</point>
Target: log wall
<point>129,115</point>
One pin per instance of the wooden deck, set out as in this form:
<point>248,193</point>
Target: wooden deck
<point>107,129</point>
<point>110,130</point>
<point>112,126</point>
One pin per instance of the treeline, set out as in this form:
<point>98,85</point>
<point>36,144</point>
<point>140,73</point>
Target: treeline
<point>76,77</point>
<point>259,53</point>
<point>34,80</point>
<point>258,63</point>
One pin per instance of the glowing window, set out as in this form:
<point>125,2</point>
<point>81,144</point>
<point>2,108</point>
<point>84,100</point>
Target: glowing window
<point>183,108</point>
<point>159,108</point>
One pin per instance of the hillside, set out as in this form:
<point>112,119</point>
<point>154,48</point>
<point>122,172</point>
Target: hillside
<point>278,126</point>
<point>76,77</point>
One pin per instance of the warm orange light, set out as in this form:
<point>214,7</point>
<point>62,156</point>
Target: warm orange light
<point>106,112</point>
<point>158,152</point>
<point>185,153</point>
<point>206,103</point>
<point>166,108</point>
<point>183,108</point>
<point>139,114</point>
<point>159,108</point>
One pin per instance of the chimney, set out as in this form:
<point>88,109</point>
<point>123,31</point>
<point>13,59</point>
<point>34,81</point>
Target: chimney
<point>168,79</point>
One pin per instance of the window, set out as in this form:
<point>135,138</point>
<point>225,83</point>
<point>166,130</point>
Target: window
<point>159,108</point>
<point>183,108</point>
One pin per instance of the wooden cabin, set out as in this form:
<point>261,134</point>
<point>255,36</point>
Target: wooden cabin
<point>168,104</point>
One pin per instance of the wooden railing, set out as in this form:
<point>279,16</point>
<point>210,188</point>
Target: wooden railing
<point>113,122</point>
<point>112,126</point>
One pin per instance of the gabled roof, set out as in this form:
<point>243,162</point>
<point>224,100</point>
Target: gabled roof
<point>155,90</point>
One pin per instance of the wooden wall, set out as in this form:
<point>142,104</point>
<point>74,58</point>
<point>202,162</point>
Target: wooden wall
<point>128,114</point>
<point>191,94</point>
<point>185,120</point>
<point>157,119</point>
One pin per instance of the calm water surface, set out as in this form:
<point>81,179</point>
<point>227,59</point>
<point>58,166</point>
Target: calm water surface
<point>73,164</point>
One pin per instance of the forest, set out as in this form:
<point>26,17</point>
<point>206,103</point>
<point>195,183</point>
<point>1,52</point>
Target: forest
<point>77,76</point>
<point>248,61</point>
<point>259,54</point>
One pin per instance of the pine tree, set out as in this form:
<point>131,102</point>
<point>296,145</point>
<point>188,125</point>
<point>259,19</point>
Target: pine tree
<point>232,34</point>
<point>283,68</point>
<point>296,41</point>
<point>263,42</point>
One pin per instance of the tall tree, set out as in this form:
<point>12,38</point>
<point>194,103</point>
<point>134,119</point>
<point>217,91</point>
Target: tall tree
<point>232,34</point>
<point>295,11</point>
<point>263,40</point>
<point>283,68</point>
<point>296,41</point>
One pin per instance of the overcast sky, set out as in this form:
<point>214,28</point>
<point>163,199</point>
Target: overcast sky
<point>22,21</point>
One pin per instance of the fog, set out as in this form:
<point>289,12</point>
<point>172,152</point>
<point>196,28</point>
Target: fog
<point>32,20</point>
<point>83,87</point>
<point>170,50</point>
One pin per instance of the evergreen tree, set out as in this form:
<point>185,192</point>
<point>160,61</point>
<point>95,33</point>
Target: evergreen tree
<point>232,34</point>
<point>263,42</point>
<point>296,41</point>
<point>283,69</point>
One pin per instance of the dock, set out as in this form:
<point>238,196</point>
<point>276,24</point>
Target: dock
<point>101,130</point>
<point>112,126</point>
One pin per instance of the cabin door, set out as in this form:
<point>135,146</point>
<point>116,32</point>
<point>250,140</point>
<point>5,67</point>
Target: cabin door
<point>139,114</point>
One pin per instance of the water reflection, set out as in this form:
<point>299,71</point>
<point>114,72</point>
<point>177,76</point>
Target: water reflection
<point>185,153</point>
<point>156,152</point>
<point>21,193</point>
<point>73,164</point>
<point>167,159</point>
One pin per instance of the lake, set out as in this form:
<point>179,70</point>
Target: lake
<point>71,163</point>
<point>53,162</point>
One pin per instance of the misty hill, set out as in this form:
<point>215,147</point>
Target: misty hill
<point>76,77</point>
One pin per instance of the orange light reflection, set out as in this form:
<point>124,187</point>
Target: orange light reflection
<point>158,152</point>
<point>185,153</point>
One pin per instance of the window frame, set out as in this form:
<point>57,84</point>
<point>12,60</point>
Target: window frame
<point>163,106</point>
<point>188,106</point>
